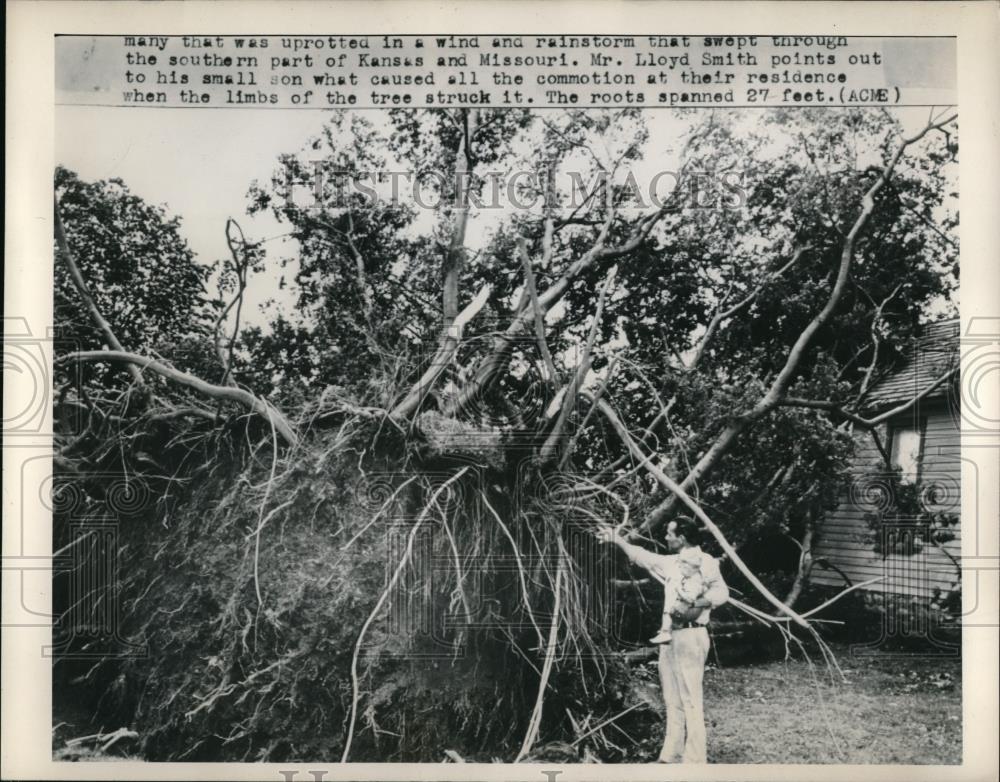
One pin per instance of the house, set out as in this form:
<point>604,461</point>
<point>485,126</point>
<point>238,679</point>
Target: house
<point>872,533</point>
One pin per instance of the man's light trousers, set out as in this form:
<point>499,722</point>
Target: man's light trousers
<point>682,669</point>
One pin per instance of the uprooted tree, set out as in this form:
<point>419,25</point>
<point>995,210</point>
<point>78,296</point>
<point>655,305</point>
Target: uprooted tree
<point>364,531</point>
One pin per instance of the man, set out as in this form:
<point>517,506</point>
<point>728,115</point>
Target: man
<point>682,662</point>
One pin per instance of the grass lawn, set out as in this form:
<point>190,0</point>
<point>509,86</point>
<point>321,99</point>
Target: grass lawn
<point>905,709</point>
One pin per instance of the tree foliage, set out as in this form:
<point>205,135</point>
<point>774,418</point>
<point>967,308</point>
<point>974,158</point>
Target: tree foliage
<point>143,276</point>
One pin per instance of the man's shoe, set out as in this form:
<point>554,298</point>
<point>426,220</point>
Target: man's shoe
<point>662,637</point>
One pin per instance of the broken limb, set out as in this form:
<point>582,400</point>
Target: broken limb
<point>449,345</point>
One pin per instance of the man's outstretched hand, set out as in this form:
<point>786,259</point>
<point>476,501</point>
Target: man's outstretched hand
<point>606,534</point>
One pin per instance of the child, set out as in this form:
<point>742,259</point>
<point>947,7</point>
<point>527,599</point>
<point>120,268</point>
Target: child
<point>679,596</point>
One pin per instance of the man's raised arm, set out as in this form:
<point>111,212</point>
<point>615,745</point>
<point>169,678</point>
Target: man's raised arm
<point>649,560</point>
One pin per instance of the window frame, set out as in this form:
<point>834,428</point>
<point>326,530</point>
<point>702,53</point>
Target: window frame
<point>917,424</point>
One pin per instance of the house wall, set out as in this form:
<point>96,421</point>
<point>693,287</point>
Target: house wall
<point>844,537</point>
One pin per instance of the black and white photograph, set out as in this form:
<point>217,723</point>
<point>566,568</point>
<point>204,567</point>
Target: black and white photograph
<point>524,401</point>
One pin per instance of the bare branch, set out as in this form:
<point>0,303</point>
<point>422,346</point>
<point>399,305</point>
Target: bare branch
<point>228,393</point>
<point>606,722</point>
<point>721,315</point>
<point>870,423</point>
<point>571,445</point>
<point>359,268</point>
<point>805,563</point>
<point>241,264</point>
<point>529,283</point>
<point>663,413</point>
<point>821,606</point>
<point>548,449</point>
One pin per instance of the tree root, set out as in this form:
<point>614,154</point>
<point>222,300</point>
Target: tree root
<point>355,686</point>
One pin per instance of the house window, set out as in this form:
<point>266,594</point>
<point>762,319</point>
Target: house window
<point>905,453</point>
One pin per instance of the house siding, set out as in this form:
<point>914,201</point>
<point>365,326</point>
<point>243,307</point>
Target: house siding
<point>844,538</point>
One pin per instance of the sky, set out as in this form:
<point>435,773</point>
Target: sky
<point>199,165</point>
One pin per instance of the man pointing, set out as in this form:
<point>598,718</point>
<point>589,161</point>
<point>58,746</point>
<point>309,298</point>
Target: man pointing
<point>682,661</point>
